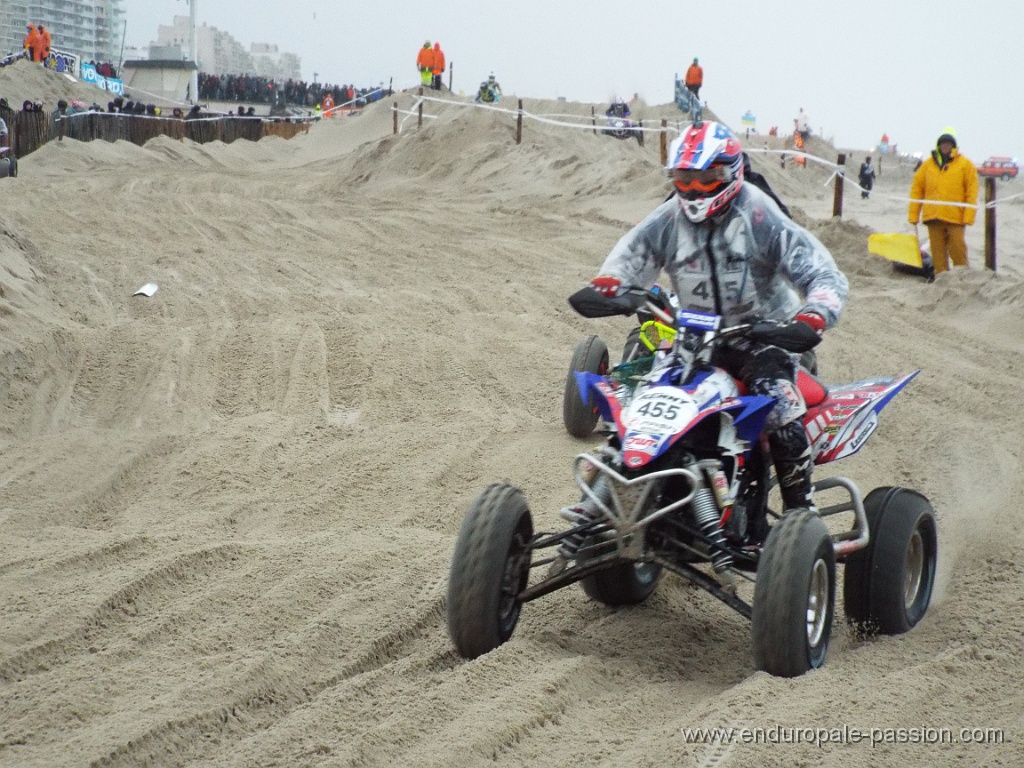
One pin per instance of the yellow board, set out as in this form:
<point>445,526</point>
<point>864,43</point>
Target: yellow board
<point>904,249</point>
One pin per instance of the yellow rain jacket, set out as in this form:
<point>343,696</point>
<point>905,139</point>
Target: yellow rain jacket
<point>955,181</point>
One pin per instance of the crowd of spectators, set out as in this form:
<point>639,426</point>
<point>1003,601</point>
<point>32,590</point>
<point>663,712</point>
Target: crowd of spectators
<point>105,68</point>
<point>12,57</point>
<point>262,90</point>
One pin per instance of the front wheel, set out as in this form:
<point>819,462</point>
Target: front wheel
<point>794,596</point>
<point>589,355</point>
<point>490,568</point>
<point>888,585</point>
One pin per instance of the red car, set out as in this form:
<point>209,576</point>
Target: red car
<point>1004,168</point>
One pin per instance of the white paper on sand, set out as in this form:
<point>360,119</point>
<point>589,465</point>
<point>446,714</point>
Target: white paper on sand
<point>147,290</point>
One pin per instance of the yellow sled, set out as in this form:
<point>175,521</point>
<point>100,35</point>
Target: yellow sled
<point>901,248</point>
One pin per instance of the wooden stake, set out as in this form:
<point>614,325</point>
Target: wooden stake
<point>990,224</point>
<point>663,142</point>
<point>837,201</point>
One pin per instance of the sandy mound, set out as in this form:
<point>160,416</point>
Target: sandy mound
<point>228,510</point>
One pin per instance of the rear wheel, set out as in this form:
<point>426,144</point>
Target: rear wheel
<point>633,348</point>
<point>888,585</point>
<point>589,355</point>
<point>490,568</point>
<point>794,596</point>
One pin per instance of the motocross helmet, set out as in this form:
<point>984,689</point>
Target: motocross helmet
<point>705,164</point>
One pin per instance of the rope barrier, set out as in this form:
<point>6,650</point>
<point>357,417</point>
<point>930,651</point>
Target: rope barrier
<point>849,180</point>
<point>589,126</point>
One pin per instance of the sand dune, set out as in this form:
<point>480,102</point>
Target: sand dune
<point>228,510</point>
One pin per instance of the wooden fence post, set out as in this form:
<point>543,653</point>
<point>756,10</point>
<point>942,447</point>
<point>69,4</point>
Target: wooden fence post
<point>519,123</point>
<point>663,142</point>
<point>451,68</point>
<point>593,120</point>
<point>394,117</point>
<point>419,120</point>
<point>640,136</point>
<point>837,201</point>
<point>990,224</point>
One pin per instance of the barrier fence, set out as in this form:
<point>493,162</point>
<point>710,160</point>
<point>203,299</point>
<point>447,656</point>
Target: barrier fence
<point>30,130</point>
<point>838,178</point>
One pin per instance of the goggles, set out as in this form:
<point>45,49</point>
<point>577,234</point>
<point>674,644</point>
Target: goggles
<point>707,180</point>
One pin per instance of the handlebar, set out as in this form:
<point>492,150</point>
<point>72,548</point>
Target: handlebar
<point>631,299</point>
<point>792,336</point>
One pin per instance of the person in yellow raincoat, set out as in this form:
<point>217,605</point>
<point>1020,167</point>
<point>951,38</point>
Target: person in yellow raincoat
<point>946,176</point>
<point>425,64</point>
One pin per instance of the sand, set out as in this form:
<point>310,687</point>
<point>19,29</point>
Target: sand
<point>227,511</point>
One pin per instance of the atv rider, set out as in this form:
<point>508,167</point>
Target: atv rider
<point>490,91</point>
<point>617,108</point>
<point>728,249</point>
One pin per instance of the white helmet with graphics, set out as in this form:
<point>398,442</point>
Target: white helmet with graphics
<point>705,164</point>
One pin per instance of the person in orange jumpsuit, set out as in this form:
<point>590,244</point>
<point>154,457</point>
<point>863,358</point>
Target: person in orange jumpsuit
<point>44,43</point>
<point>32,42</point>
<point>438,68</point>
<point>694,78</point>
<point>425,63</point>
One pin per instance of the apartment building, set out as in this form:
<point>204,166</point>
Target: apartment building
<point>93,29</point>
<point>217,51</point>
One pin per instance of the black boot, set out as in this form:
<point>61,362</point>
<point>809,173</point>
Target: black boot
<point>791,453</point>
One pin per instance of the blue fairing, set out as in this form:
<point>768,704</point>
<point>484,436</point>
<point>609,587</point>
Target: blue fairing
<point>749,412</point>
<point>750,421</point>
<point>585,381</point>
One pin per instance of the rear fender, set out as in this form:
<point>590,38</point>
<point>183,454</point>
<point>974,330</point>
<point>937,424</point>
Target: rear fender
<point>839,426</point>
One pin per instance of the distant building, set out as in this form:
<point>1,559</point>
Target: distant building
<point>219,53</point>
<point>92,30</point>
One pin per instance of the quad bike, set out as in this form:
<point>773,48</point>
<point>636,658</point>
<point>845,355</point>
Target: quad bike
<point>622,128</point>
<point>682,483</point>
<point>657,328</point>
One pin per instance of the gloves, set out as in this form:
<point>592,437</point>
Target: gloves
<point>813,319</point>
<point>606,285</point>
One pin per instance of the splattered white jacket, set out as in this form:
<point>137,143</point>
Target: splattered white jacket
<point>751,263</point>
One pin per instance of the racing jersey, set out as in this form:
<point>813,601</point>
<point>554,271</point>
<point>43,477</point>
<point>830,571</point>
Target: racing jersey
<point>750,263</point>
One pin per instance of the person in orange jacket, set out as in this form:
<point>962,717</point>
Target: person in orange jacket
<point>425,63</point>
<point>694,78</point>
<point>438,68</point>
<point>32,42</point>
<point>44,43</point>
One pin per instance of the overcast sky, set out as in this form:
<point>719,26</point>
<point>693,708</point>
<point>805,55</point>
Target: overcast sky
<point>908,68</point>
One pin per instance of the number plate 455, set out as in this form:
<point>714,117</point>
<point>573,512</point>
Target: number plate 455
<point>660,411</point>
